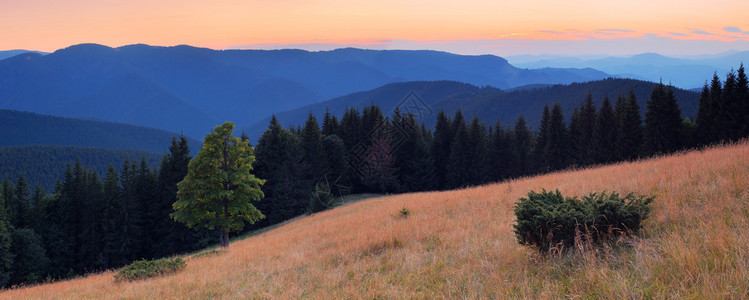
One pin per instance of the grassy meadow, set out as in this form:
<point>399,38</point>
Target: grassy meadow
<point>460,244</point>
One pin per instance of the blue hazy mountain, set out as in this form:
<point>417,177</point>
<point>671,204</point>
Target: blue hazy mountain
<point>488,103</point>
<point>191,90</point>
<point>11,53</point>
<point>27,129</point>
<point>686,72</point>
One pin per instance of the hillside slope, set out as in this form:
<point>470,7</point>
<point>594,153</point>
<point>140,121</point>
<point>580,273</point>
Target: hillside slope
<point>19,128</point>
<point>460,244</point>
<point>43,166</point>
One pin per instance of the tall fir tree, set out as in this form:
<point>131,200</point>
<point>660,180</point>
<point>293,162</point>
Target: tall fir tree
<point>604,133</point>
<point>583,143</point>
<point>542,139</point>
<point>555,151</point>
<point>629,132</point>
<point>6,256</point>
<point>442,142</point>
<point>457,174</point>
<point>522,150</point>
<point>742,108</point>
<point>662,121</point>
<point>330,124</point>
<point>311,139</point>
<point>280,161</point>
<point>477,153</point>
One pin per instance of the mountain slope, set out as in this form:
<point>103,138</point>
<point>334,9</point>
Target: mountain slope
<point>23,128</point>
<point>43,166</point>
<point>460,244</point>
<point>192,89</point>
<point>489,104</point>
<point>647,66</point>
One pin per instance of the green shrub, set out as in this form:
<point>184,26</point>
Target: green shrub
<point>403,213</point>
<point>143,269</point>
<point>548,220</point>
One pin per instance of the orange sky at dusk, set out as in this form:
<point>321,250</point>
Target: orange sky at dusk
<point>47,25</point>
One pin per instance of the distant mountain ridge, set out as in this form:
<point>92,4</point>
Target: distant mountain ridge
<point>688,72</point>
<point>188,89</point>
<point>25,129</point>
<point>489,104</point>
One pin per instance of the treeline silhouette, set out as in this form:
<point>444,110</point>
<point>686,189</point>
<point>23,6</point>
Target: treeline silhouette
<point>89,224</point>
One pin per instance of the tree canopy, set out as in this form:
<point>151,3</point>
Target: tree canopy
<point>218,188</point>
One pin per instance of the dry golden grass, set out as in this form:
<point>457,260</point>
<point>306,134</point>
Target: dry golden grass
<point>460,244</point>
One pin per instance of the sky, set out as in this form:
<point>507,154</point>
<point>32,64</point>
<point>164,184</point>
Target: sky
<point>499,27</point>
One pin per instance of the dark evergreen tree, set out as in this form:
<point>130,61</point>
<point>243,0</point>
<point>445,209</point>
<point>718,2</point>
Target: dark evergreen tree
<point>629,132</point>
<point>30,260</point>
<point>583,145</point>
<point>707,113</point>
<point>457,174</point>
<point>501,153</point>
<point>477,166</point>
<point>12,206</point>
<point>132,230</point>
<point>330,124</point>
<point>334,157</point>
<point>6,256</point>
<point>174,237</point>
<point>522,151</point>
<point>604,134</point>
<point>22,204</point>
<point>311,139</point>
<point>90,232</point>
<point>113,221</point>
<point>662,121</point>
<point>742,107</point>
<point>280,161</point>
<point>542,139</point>
<point>555,154</point>
<point>443,138</point>
<point>422,176</point>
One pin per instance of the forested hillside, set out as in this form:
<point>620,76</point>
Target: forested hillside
<point>43,166</point>
<point>24,128</point>
<point>426,98</point>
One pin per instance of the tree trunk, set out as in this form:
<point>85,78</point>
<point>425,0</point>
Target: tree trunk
<point>224,238</point>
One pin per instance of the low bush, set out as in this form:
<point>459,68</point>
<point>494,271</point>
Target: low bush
<point>143,269</point>
<point>548,220</point>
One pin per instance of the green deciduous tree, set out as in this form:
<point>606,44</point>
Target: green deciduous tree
<point>217,192</point>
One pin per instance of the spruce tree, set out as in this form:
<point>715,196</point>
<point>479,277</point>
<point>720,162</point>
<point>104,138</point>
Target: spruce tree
<point>114,215</point>
<point>457,173</point>
<point>280,161</point>
<point>629,132</point>
<point>662,121</point>
<point>555,153</point>
<point>6,256</point>
<point>311,139</point>
<point>443,138</point>
<point>477,152</point>
<point>539,151</point>
<point>604,134</point>
<point>522,151</point>
<point>705,117</point>
<point>330,124</point>
<point>583,143</point>
<point>742,108</point>
<point>30,259</point>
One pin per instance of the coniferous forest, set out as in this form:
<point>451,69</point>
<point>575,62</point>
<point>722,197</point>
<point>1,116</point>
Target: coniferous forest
<point>93,222</point>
